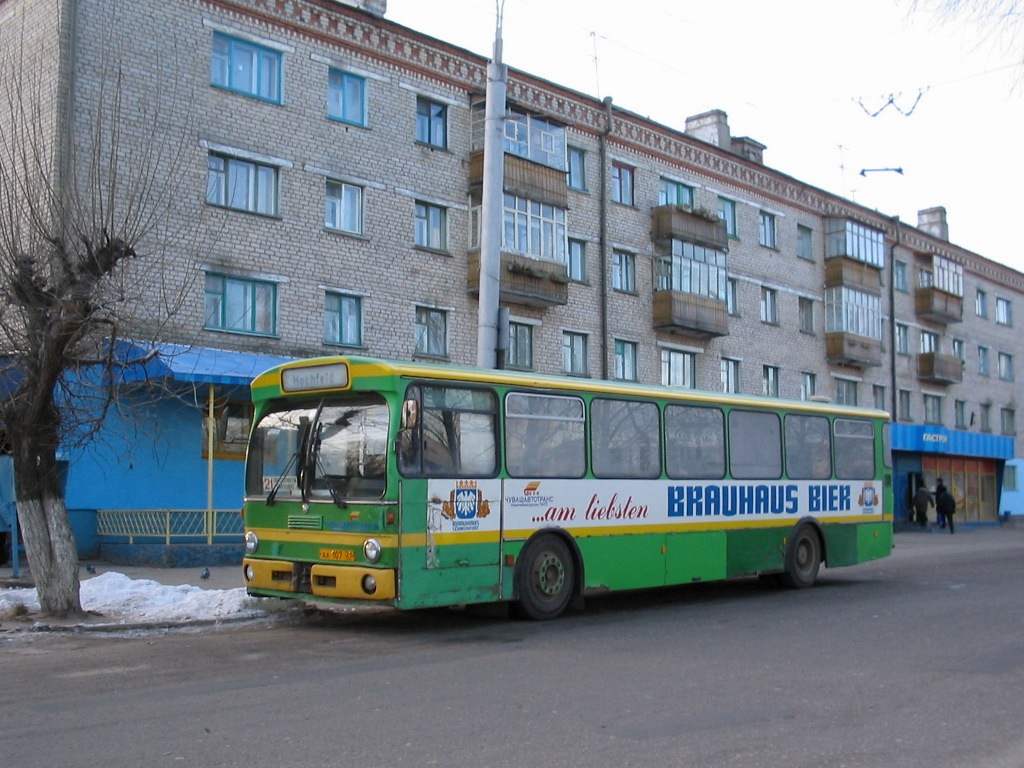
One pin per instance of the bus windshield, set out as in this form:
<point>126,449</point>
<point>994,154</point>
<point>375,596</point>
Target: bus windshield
<point>329,450</point>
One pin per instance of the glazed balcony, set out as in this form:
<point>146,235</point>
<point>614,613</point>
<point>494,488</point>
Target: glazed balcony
<point>937,368</point>
<point>689,314</point>
<point>843,348</point>
<point>531,282</point>
<point>703,227</point>
<point>934,304</point>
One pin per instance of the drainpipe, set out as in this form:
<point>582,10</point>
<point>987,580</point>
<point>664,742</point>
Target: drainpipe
<point>892,319</point>
<point>604,235</point>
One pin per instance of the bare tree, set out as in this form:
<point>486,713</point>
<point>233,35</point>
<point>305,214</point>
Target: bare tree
<point>87,185</point>
<point>1001,22</point>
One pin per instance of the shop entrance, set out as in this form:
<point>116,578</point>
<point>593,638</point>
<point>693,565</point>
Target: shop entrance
<point>972,483</point>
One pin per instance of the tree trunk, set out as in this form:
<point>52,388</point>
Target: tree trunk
<point>49,542</point>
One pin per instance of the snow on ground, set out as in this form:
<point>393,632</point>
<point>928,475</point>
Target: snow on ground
<point>122,600</point>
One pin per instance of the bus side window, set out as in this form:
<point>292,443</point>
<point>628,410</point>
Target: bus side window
<point>544,436</point>
<point>808,448</point>
<point>694,442</point>
<point>755,445</point>
<point>855,449</point>
<point>625,439</point>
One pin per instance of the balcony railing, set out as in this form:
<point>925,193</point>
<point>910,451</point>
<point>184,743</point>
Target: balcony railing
<point>843,348</point>
<point>851,273</point>
<point>690,314</point>
<point>938,306</point>
<point>533,282</point>
<point>938,368</point>
<point>674,222</point>
<point>524,179</point>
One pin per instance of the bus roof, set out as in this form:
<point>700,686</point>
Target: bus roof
<point>377,367</point>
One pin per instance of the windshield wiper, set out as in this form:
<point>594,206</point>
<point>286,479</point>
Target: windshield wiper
<point>309,448</point>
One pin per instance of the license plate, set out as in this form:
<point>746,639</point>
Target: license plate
<point>346,555</point>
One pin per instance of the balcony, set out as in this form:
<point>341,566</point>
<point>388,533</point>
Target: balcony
<point>673,222</point>
<point>689,314</point>
<point>524,178</point>
<point>849,273</point>
<point>526,281</point>
<point>936,305</point>
<point>937,368</point>
<point>843,348</point>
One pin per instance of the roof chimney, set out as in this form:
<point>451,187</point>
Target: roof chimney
<point>712,127</point>
<point>744,146</point>
<point>933,221</point>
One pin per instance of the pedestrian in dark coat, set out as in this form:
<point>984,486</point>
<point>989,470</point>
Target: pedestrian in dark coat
<point>945,505</point>
<point>922,500</point>
<point>939,517</point>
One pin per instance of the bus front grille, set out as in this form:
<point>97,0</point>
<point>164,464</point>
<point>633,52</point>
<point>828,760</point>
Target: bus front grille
<point>306,522</point>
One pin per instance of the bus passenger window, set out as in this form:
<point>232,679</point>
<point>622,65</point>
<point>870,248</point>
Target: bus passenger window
<point>454,435</point>
<point>625,439</point>
<point>544,436</point>
<point>694,442</point>
<point>755,445</point>
<point>855,449</point>
<point>808,448</point>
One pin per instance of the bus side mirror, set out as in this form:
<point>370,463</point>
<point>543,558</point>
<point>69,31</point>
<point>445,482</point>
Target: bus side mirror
<point>410,414</point>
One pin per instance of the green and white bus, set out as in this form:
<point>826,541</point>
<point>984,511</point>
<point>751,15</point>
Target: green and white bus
<point>414,485</point>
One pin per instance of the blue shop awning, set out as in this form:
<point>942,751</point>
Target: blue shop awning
<point>196,365</point>
<point>923,438</point>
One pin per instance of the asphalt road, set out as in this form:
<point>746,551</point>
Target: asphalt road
<point>916,660</point>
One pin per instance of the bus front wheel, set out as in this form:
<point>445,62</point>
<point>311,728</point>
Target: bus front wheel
<point>803,558</point>
<point>545,577</point>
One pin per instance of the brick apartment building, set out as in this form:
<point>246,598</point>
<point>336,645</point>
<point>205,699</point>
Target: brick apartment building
<point>330,182</point>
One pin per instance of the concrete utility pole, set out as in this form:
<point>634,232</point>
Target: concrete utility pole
<point>491,205</point>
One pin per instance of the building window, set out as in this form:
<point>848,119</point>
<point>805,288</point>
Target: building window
<point>958,349</point>
<point>932,409</point>
<point>766,230</point>
<point>623,271</point>
<point>730,370</point>
<point>983,364</point>
<point>986,417</point>
<point>343,319</point>
<point>770,380</point>
<point>534,229</point>
<point>246,68</point>
<point>1008,421</point>
<point>727,212</point>
<point>431,226</point>
<point>846,392</point>
<point>900,277</point>
<point>520,346</point>
<point>678,369</point>
<point>431,123</point>
<point>577,263</point>
<point>960,414</point>
<point>675,193</point>
<point>344,210</point>
<point>854,240</point>
<point>346,97</point>
<point>431,332</point>
<point>1005,362</point>
<point>1010,478</point>
<point>1004,311</point>
<point>732,296</point>
<point>625,360</point>
<point>231,422</point>
<point>878,397</point>
<point>769,306</point>
<point>981,303</point>
<point>530,136</point>
<point>903,405</point>
<point>848,310</point>
<point>577,176</point>
<point>804,243</point>
<point>622,184</point>
<point>806,314</point>
<point>574,353</point>
<point>241,185</point>
<point>808,385</point>
<point>929,342</point>
<point>240,305</point>
<point>902,339</point>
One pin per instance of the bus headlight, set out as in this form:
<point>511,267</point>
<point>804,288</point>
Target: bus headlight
<point>252,541</point>
<point>371,548</point>
<point>369,584</point>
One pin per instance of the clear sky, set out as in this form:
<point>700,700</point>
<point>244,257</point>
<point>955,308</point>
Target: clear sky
<point>830,86</point>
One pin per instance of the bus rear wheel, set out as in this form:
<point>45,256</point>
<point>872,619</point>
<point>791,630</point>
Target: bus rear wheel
<point>545,577</point>
<point>803,558</point>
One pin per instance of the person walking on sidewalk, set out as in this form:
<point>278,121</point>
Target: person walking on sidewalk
<point>922,500</point>
<point>940,487</point>
<point>945,507</point>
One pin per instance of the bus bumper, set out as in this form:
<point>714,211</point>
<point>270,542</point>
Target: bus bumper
<point>334,581</point>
